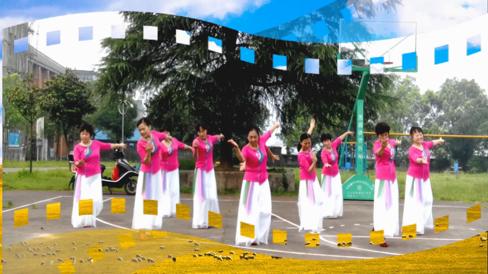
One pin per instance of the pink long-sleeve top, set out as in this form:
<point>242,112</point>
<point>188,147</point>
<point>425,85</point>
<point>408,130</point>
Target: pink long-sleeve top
<point>256,160</point>
<point>169,155</point>
<point>332,158</point>
<point>155,164</point>
<point>91,155</point>
<point>416,170</point>
<point>204,151</point>
<point>385,164</point>
<point>304,162</point>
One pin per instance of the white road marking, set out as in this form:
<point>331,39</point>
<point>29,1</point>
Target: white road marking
<point>34,203</point>
<point>399,238</point>
<point>322,237</point>
<point>114,225</point>
<point>334,244</point>
<point>356,224</point>
<point>302,253</point>
<point>345,202</point>
<point>263,249</point>
<point>285,220</point>
<point>111,224</point>
<point>450,206</point>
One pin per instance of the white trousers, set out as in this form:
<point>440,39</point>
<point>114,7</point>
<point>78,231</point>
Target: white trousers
<point>204,197</point>
<point>333,200</point>
<point>385,214</point>
<point>171,191</point>
<point>87,188</point>
<point>149,187</point>
<point>418,204</point>
<point>255,209</point>
<point>310,205</point>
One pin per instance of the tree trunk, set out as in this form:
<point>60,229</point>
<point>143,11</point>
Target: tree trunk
<point>31,144</point>
<point>226,156</point>
<point>65,134</point>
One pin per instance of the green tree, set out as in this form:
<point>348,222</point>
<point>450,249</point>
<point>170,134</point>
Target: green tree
<point>108,118</point>
<point>189,84</point>
<point>23,99</point>
<point>66,101</point>
<point>462,108</point>
<point>459,107</point>
<point>13,118</point>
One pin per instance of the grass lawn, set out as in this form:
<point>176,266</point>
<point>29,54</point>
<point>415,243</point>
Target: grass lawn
<point>25,164</point>
<point>40,164</point>
<point>43,180</point>
<point>467,187</point>
<point>445,186</point>
<point>37,180</point>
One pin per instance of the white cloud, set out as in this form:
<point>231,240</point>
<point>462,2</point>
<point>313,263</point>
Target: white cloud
<point>436,15</point>
<point>460,65</point>
<point>192,8</point>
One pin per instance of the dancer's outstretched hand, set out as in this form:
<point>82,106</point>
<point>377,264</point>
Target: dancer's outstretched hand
<point>233,143</point>
<point>275,157</point>
<point>276,125</point>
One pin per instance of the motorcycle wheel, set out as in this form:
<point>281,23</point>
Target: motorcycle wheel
<point>130,186</point>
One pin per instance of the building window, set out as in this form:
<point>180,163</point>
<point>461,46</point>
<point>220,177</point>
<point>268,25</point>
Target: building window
<point>85,33</point>
<point>53,38</point>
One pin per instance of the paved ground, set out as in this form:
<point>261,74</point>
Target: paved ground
<point>357,220</point>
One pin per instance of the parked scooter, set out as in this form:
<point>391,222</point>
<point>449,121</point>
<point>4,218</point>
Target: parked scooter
<point>123,174</point>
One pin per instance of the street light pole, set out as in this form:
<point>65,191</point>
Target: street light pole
<point>123,110</point>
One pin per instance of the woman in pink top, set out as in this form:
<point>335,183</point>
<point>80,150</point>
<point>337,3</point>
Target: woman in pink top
<point>385,214</point>
<point>86,155</point>
<point>310,196</point>
<point>255,200</point>
<point>418,191</point>
<point>170,174</point>
<point>149,187</point>
<point>331,178</point>
<point>204,185</point>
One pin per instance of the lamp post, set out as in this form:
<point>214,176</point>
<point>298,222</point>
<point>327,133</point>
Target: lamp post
<point>122,108</point>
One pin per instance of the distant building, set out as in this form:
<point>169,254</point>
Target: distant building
<point>22,58</point>
<point>18,56</point>
<point>86,75</point>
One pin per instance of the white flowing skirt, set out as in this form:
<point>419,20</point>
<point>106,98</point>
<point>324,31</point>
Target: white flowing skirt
<point>254,209</point>
<point>204,197</point>
<point>310,205</point>
<point>87,188</point>
<point>385,214</point>
<point>149,187</point>
<point>171,191</point>
<point>333,200</point>
<point>418,204</point>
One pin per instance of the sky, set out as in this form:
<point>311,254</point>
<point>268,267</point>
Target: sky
<point>437,22</point>
<point>245,15</point>
<point>254,16</point>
